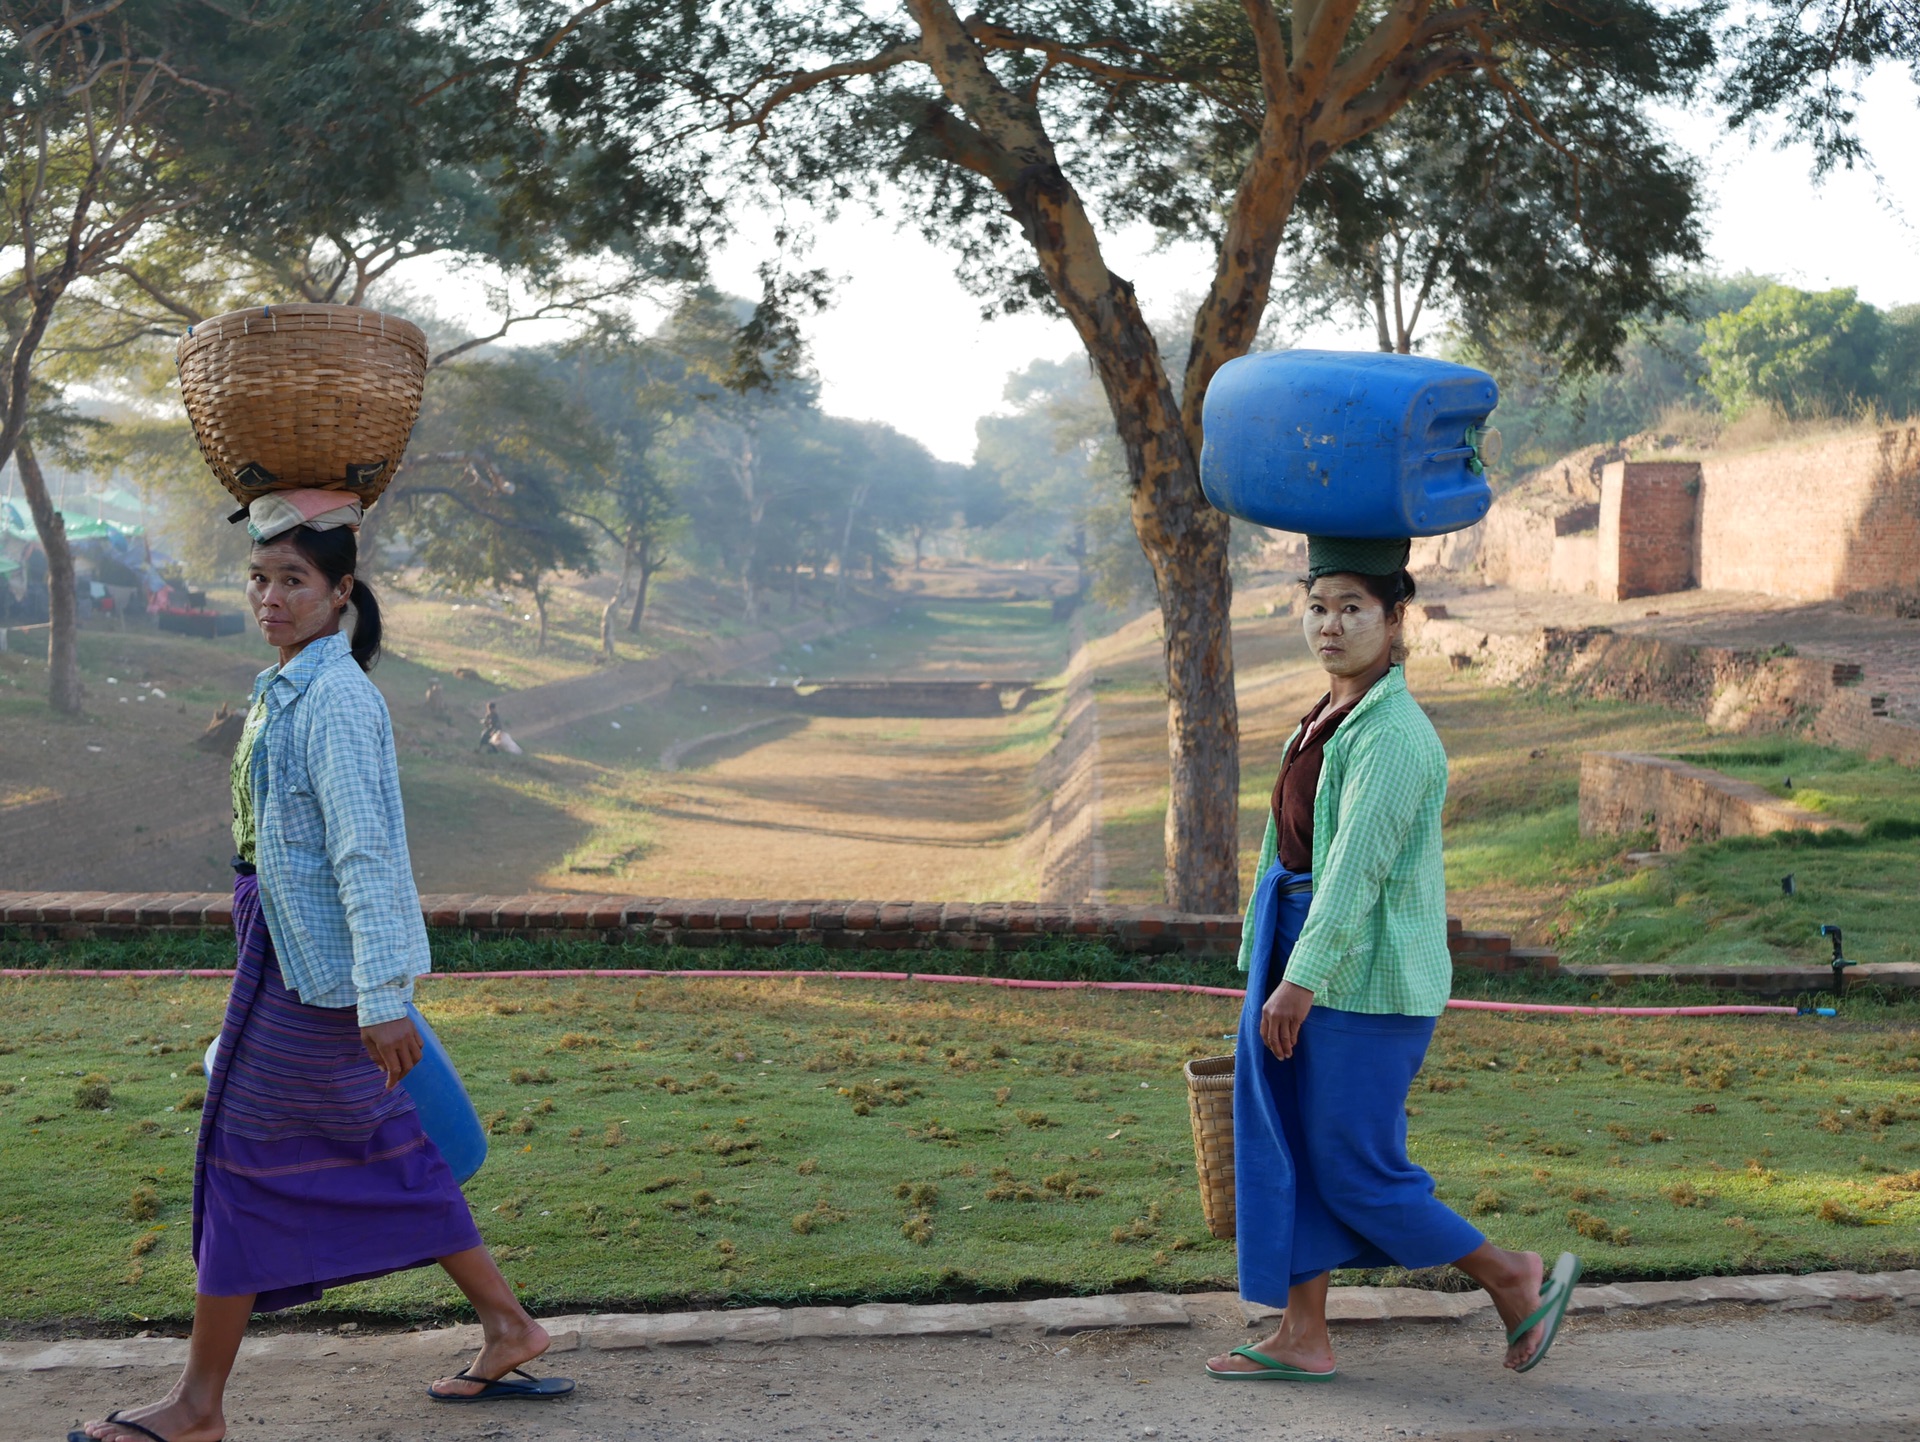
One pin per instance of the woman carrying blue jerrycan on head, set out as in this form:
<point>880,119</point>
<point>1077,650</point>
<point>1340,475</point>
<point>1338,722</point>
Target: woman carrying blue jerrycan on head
<point>1345,950</point>
<point>314,1168</point>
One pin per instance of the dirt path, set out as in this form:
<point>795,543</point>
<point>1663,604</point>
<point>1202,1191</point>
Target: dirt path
<point>1731,1377</point>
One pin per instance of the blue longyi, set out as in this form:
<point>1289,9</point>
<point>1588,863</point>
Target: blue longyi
<point>1321,1175</point>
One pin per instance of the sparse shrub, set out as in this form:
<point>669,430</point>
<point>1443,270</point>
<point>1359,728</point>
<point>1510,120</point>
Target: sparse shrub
<point>1836,1213</point>
<point>1486,1203</point>
<point>143,1205</point>
<point>1598,1229</point>
<point>521,1077</point>
<point>94,1093</point>
<point>1682,1194</point>
<point>191,1102</point>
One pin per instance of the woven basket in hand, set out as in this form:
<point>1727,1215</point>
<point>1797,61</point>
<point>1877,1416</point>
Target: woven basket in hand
<point>1210,1101</point>
<point>289,396</point>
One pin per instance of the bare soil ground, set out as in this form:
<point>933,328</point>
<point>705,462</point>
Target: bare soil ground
<point>121,799</point>
<point>1886,648</point>
<point>1727,1377</point>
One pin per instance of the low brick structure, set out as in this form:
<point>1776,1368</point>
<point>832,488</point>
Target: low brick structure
<point>874,926</point>
<point>1623,792</point>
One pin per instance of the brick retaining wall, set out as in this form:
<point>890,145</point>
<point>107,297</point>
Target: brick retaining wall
<point>1623,792</point>
<point>885,926</point>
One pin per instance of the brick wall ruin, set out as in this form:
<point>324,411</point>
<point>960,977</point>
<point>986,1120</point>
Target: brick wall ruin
<point>1645,545</point>
<point>1820,519</point>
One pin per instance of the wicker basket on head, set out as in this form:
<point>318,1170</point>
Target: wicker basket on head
<point>289,396</point>
<point>1210,1101</point>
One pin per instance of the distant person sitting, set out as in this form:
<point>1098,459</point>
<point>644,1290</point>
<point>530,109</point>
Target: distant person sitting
<point>493,735</point>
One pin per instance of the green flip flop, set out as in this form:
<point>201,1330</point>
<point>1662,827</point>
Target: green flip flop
<point>1271,1370</point>
<point>1555,1297</point>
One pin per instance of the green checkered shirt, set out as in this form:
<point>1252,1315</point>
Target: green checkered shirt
<point>1375,938</point>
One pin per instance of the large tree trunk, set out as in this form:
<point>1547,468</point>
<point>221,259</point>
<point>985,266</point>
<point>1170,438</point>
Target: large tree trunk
<point>1185,539</point>
<point>63,607</point>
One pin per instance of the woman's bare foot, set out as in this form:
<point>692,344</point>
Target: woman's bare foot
<point>1518,1299</point>
<point>512,1347</point>
<point>173,1419</point>
<point>1309,1353</point>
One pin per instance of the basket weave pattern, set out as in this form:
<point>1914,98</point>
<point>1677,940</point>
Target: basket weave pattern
<point>288,396</point>
<point>1210,1102</point>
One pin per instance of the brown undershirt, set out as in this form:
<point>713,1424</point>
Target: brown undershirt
<point>1299,781</point>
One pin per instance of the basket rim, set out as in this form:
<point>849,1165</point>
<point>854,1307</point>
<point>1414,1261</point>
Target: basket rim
<point>305,316</point>
<point>1209,1071</point>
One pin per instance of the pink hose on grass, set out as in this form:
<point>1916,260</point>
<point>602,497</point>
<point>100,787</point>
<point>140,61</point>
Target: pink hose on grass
<point>1523,1007</point>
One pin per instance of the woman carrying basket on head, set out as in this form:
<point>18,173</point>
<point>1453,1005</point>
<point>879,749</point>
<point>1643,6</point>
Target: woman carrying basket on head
<point>1345,950</point>
<point>312,1168</point>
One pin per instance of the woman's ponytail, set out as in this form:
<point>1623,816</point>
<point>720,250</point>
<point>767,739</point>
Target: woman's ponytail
<point>365,640</point>
<point>336,554</point>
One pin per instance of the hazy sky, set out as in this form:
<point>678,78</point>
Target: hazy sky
<point>905,344</point>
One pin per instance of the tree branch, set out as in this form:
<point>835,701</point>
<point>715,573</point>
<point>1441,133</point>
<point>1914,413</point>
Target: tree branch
<point>990,36</point>
<point>800,82</point>
<point>1270,44</point>
<point>153,292</point>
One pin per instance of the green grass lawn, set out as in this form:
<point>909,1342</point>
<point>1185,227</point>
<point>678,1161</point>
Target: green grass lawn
<point>716,1141</point>
<point>1724,903</point>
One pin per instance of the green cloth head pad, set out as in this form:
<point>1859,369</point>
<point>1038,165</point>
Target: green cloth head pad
<point>1328,554</point>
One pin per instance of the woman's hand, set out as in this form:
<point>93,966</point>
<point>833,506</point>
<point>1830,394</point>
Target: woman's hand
<point>1280,1018</point>
<point>394,1046</point>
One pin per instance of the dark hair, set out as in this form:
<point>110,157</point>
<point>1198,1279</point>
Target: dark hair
<point>1392,590</point>
<point>335,553</point>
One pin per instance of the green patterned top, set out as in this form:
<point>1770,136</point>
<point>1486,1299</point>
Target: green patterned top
<point>1375,938</point>
<point>243,833</point>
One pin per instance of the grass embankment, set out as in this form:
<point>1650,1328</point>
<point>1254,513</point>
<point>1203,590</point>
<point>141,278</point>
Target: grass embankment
<point>1725,903</point>
<point>723,1141</point>
<point>1515,858</point>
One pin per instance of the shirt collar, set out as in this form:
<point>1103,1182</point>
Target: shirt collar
<point>301,670</point>
<point>1394,680</point>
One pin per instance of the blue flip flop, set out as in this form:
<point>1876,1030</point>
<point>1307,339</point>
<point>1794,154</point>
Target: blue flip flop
<point>1555,1297</point>
<point>1271,1370</point>
<point>114,1419</point>
<point>499,1389</point>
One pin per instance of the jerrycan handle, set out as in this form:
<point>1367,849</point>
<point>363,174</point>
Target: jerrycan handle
<point>1481,445</point>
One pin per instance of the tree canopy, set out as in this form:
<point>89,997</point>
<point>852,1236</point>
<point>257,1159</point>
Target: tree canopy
<point>1015,134</point>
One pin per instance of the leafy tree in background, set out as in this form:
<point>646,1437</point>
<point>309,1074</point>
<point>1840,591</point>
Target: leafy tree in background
<point>1899,370</point>
<point>166,159</point>
<point>616,380</point>
<point>497,466</point>
<point>1805,353</point>
<point>1546,412</point>
<point>1018,133</point>
<point>1804,60</point>
<point>1463,209</point>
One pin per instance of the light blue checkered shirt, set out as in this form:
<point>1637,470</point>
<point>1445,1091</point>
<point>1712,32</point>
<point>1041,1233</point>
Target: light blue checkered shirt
<point>336,883</point>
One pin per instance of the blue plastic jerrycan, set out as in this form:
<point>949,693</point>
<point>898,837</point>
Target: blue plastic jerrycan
<point>446,1112</point>
<point>1359,444</point>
